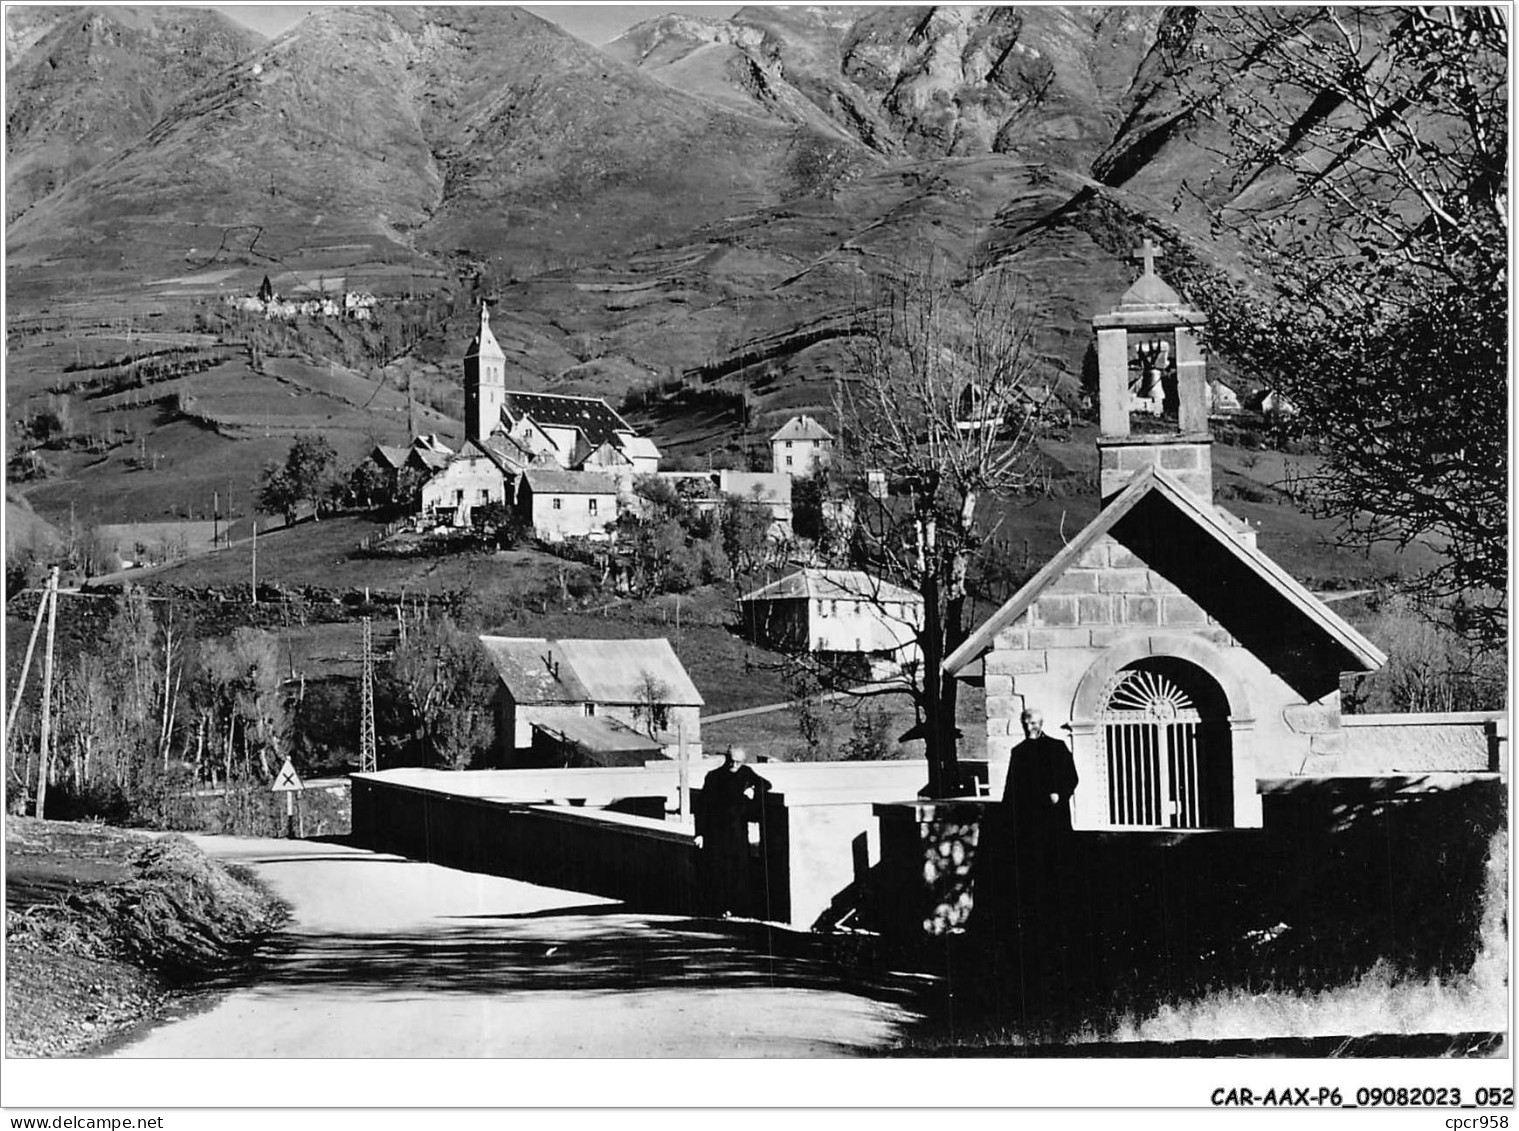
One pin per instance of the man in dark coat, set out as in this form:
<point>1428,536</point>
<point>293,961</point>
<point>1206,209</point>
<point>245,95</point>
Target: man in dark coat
<point>1041,776</point>
<point>731,797</point>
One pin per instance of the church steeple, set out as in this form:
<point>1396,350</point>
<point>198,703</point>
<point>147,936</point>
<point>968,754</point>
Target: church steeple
<point>484,381</point>
<point>1153,391</point>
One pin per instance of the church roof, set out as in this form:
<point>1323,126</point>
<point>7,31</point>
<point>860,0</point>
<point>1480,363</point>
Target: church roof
<point>1181,537</point>
<point>484,344</point>
<point>596,420</point>
<point>637,447</point>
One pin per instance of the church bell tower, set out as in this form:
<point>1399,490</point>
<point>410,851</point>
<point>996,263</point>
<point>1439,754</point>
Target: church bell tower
<point>1153,391</point>
<point>484,382</point>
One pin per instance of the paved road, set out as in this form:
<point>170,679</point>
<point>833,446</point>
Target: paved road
<point>386,957</point>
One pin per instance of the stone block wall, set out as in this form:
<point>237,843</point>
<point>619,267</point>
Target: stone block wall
<point>1189,461</point>
<point>1107,596</point>
<point>1111,604</point>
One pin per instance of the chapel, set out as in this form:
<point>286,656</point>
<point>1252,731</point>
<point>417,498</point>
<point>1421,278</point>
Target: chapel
<point>1184,665</point>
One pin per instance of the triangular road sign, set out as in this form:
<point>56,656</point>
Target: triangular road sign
<point>287,780</point>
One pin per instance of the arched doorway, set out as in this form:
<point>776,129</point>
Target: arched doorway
<point>1167,741</point>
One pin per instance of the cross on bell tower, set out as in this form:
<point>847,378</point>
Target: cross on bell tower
<point>1153,391</point>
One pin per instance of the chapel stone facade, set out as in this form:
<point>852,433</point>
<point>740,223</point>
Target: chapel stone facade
<point>1180,664</point>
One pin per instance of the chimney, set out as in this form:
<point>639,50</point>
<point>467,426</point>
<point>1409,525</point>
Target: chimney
<point>1153,389</point>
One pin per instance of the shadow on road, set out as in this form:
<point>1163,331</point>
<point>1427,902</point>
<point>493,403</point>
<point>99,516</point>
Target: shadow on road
<point>592,949</point>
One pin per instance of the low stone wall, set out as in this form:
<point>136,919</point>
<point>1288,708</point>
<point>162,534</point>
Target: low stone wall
<point>644,862</point>
<point>1466,741</point>
<point>1375,839</point>
<point>819,830</point>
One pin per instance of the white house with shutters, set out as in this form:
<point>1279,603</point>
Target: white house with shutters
<point>800,446</point>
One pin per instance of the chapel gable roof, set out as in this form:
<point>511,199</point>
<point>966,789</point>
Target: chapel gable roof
<point>1181,537</point>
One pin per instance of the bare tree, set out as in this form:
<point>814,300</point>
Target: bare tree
<point>1363,159</point>
<point>943,406</point>
<point>652,707</point>
<point>442,683</point>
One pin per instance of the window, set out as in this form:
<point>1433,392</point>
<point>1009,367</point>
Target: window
<point>485,495</point>
<point>590,709</point>
<point>822,608</point>
<point>558,503</point>
<point>592,504</point>
<point>459,497</point>
<point>788,448</point>
<point>788,458</point>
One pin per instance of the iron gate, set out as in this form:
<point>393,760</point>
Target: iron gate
<point>1156,764</point>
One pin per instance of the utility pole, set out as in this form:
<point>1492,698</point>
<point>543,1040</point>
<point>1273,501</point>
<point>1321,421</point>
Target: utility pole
<point>216,513</point>
<point>26,666</point>
<point>44,759</point>
<point>253,583</point>
<point>683,771</point>
<point>369,760</point>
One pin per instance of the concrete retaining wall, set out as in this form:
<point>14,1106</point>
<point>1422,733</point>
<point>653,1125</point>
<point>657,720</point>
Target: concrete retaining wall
<point>1466,741</point>
<point>647,863</point>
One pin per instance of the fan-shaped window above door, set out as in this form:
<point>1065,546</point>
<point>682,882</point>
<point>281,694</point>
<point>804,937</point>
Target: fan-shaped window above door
<point>1167,740</point>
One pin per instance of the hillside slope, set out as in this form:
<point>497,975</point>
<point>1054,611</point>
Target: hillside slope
<point>367,124</point>
<point>1041,82</point>
<point>83,83</point>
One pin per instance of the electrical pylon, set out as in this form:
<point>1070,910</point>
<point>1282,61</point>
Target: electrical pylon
<point>368,756</point>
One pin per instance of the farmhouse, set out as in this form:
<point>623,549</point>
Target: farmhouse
<point>560,685</point>
<point>566,504</point>
<point>800,445</point>
<point>471,477</point>
<point>1188,664</point>
<point>841,611</point>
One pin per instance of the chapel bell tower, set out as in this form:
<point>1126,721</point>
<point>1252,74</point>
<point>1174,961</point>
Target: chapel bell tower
<point>484,382</point>
<point>1152,388</point>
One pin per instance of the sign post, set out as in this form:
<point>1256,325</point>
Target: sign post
<point>288,782</point>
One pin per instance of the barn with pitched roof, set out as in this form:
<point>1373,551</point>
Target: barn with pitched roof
<point>640,684</point>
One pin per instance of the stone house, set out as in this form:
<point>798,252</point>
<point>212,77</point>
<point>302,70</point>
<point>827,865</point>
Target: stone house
<point>554,684</point>
<point>566,504</point>
<point>800,445</point>
<point>1183,664</point>
<point>472,477</point>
